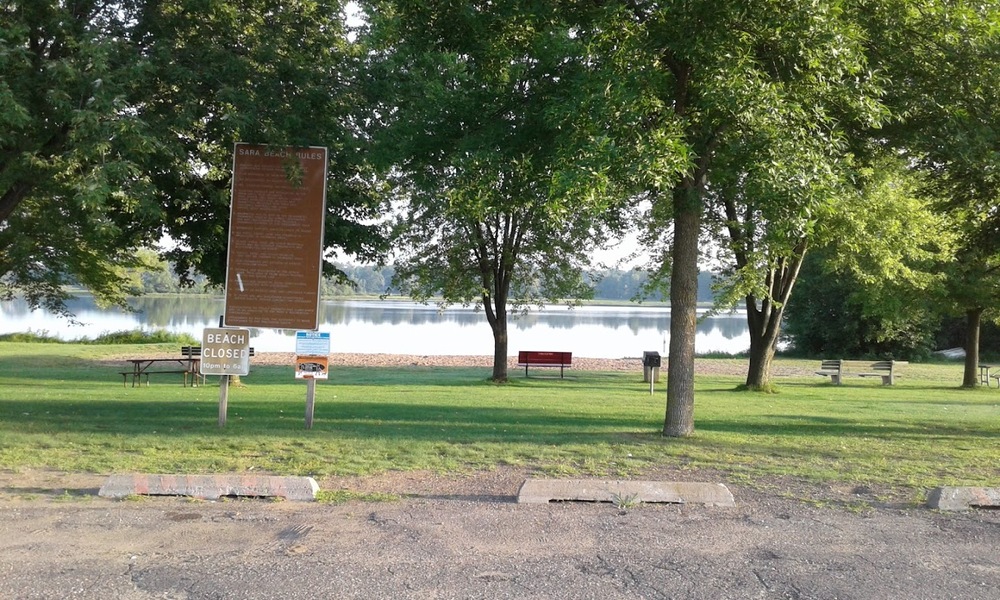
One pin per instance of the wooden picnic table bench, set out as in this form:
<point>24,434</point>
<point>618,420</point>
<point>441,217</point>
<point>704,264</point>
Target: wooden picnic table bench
<point>193,355</point>
<point>536,358</point>
<point>985,375</point>
<point>142,368</point>
<point>188,364</point>
<point>837,369</point>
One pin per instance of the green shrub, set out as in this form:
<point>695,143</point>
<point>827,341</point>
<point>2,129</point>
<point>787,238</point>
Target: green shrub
<point>31,337</point>
<point>136,336</point>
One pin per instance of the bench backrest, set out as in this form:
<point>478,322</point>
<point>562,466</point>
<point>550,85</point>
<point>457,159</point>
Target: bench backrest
<point>195,351</point>
<point>832,365</point>
<point>882,365</point>
<point>535,357</point>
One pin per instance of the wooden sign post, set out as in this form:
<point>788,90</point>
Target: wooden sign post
<point>312,362</point>
<point>274,264</point>
<point>310,401</point>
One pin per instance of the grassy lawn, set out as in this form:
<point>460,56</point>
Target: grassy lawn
<point>63,407</point>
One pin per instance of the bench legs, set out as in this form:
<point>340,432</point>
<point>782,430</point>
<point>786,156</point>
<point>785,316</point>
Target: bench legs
<point>562,370</point>
<point>135,377</point>
<point>195,376</point>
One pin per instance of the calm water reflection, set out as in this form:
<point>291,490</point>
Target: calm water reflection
<point>372,326</point>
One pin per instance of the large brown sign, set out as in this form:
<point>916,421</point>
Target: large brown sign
<point>275,259</point>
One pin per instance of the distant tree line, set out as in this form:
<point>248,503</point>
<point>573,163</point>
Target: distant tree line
<point>829,315</point>
<point>158,276</point>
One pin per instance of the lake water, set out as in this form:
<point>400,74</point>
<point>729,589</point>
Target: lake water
<point>400,327</point>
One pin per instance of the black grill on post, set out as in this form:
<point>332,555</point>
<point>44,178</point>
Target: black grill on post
<point>651,367</point>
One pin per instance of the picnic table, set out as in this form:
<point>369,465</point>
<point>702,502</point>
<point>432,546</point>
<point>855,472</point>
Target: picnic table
<point>189,363</point>
<point>984,374</point>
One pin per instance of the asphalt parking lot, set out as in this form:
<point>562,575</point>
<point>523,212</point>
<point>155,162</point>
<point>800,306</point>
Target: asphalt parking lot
<point>466,546</point>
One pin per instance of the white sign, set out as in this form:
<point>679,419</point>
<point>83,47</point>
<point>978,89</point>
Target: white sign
<point>225,351</point>
<point>312,343</point>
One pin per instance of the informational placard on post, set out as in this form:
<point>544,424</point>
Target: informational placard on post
<point>225,351</point>
<point>312,350</point>
<point>312,343</point>
<point>312,367</point>
<point>275,260</point>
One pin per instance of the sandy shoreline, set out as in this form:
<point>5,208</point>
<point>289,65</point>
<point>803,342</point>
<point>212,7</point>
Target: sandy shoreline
<point>724,366</point>
<point>415,360</point>
<point>710,366</point>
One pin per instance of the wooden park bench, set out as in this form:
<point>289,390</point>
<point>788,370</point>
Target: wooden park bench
<point>837,369</point>
<point>193,356</point>
<point>985,375</point>
<point>535,358</point>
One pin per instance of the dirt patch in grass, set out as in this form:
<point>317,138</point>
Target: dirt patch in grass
<point>736,367</point>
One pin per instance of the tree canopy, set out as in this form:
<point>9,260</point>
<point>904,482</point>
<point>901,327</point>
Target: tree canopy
<point>469,108</point>
<point>120,119</point>
<point>944,60</point>
<point>514,137</point>
<point>725,96</point>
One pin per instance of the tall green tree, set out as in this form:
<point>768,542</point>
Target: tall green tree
<point>874,224</point>
<point>119,118</point>
<point>943,57</point>
<point>876,285</point>
<point>768,203</point>
<point>71,208</point>
<point>469,107</point>
<point>709,82</point>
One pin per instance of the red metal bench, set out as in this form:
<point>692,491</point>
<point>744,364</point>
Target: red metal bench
<point>534,358</point>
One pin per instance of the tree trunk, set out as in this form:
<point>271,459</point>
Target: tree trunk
<point>765,321</point>
<point>11,199</point>
<point>495,272</point>
<point>973,319</point>
<point>499,326</point>
<point>765,326</point>
<point>679,421</point>
<point>763,344</point>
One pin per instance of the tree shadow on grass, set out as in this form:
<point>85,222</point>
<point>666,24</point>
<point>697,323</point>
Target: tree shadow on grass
<point>824,426</point>
<point>406,422</point>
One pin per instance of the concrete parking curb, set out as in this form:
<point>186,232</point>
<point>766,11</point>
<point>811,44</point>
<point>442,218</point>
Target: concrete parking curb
<point>963,498</point>
<point>623,491</point>
<point>210,487</point>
